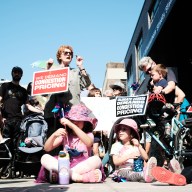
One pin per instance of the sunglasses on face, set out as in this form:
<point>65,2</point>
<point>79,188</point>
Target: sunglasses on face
<point>67,53</point>
<point>148,70</point>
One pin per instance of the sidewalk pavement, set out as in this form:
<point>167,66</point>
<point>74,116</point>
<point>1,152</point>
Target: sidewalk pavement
<point>28,185</point>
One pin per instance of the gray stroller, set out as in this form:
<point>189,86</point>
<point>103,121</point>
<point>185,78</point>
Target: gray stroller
<point>26,160</point>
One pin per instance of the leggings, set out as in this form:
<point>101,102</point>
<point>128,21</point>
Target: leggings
<point>92,163</point>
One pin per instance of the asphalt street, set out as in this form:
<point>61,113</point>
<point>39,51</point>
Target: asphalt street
<point>28,185</point>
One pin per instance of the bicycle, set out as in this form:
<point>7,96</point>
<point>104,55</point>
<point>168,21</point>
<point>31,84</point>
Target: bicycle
<point>178,144</point>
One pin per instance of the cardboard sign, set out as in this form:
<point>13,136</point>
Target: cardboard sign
<point>131,105</point>
<point>50,81</point>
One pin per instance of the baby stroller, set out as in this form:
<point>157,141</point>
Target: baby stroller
<point>30,145</point>
<point>5,158</point>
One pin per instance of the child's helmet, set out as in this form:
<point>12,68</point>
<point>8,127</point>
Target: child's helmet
<point>155,104</point>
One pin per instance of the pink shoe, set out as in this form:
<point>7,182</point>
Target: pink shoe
<point>89,177</point>
<point>174,166</point>
<point>152,162</point>
<point>165,176</point>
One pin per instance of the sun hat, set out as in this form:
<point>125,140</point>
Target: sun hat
<point>117,85</point>
<point>130,123</point>
<point>80,112</point>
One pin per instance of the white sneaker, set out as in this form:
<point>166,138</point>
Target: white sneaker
<point>174,166</point>
<point>152,162</point>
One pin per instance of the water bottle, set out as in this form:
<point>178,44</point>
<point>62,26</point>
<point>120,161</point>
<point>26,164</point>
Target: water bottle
<point>63,168</point>
<point>138,164</point>
<point>167,129</point>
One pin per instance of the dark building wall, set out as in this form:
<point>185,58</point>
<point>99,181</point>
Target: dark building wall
<point>167,40</point>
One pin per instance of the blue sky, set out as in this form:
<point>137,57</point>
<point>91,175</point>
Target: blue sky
<point>98,30</point>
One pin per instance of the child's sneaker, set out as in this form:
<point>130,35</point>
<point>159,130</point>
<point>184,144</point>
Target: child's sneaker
<point>152,162</point>
<point>53,177</point>
<point>174,166</point>
<point>165,176</point>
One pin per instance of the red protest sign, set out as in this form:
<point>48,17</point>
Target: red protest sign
<point>50,81</point>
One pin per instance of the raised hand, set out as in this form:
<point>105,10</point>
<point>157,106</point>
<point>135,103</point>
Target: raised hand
<point>79,62</point>
<point>50,63</point>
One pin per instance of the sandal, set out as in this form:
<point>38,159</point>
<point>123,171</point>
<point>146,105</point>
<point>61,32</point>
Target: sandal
<point>89,177</point>
<point>165,176</point>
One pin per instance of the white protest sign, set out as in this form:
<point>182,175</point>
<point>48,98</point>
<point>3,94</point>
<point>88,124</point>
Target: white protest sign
<point>131,105</point>
<point>104,110</point>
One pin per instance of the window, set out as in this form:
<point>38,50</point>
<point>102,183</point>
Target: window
<point>138,54</point>
<point>153,10</point>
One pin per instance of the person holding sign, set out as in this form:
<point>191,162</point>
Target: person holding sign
<point>78,80</point>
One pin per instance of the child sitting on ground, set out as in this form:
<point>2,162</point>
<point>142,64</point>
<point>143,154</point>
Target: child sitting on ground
<point>77,135</point>
<point>127,150</point>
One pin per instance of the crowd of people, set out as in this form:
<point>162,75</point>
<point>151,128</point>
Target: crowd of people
<point>75,130</point>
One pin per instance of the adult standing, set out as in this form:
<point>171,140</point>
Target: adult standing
<point>12,97</point>
<point>78,80</point>
<point>146,64</point>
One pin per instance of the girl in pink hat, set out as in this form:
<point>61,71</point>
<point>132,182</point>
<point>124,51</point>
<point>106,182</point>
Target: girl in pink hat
<point>128,154</point>
<point>76,135</point>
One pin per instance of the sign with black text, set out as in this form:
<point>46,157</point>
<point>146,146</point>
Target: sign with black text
<point>131,105</point>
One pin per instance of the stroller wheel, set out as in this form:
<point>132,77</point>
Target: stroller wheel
<point>5,173</point>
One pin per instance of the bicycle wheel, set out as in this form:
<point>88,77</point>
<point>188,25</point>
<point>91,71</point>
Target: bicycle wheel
<point>183,147</point>
<point>5,173</point>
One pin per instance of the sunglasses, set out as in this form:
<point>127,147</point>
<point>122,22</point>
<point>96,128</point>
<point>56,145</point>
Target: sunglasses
<point>67,53</point>
<point>148,70</point>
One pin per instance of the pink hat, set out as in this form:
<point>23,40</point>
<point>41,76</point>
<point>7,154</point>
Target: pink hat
<point>130,123</point>
<point>80,112</point>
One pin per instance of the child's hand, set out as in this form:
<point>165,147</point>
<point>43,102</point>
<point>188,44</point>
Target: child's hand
<point>135,142</point>
<point>60,132</point>
<point>133,155</point>
<point>65,122</point>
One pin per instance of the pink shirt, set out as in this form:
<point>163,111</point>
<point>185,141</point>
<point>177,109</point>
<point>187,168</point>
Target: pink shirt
<point>75,143</point>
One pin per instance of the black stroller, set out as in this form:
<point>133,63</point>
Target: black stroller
<point>26,160</point>
<point>5,157</point>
